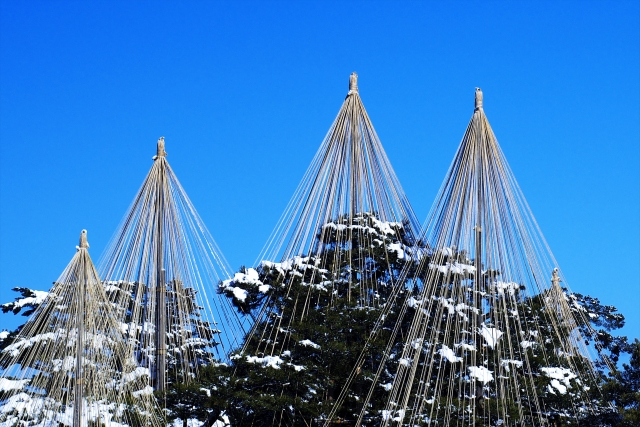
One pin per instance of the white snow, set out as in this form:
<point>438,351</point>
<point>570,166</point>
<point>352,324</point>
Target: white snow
<point>4,335</point>
<point>135,374</point>
<point>396,247</point>
<point>481,373</point>
<point>264,288</point>
<point>509,288</point>
<point>404,362</point>
<point>21,402</point>
<point>507,362</point>
<point>560,378</point>
<point>465,346</point>
<point>111,288</point>
<point>15,348</point>
<point>68,364</point>
<point>6,384</point>
<point>555,384</point>
<point>224,422</point>
<point>455,268</point>
<point>417,343</point>
<point>192,422</point>
<point>385,226</point>
<point>270,361</point>
<point>491,335</point>
<point>388,415</point>
<point>448,354</point>
<point>39,298</point>
<point>309,343</point>
<point>240,294</point>
<point>333,225</point>
<point>147,391</point>
<point>526,344</point>
<point>446,251</point>
<point>250,278</point>
<point>412,302</point>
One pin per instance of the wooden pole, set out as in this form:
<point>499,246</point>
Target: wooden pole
<point>79,383</point>
<point>161,291</point>
<point>161,331</point>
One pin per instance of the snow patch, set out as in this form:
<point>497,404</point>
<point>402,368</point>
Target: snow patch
<point>481,373</point>
<point>560,379</point>
<point>491,335</point>
<point>309,343</point>
<point>267,361</point>
<point>507,362</point>
<point>6,384</point>
<point>465,346</point>
<point>455,268</point>
<point>448,354</point>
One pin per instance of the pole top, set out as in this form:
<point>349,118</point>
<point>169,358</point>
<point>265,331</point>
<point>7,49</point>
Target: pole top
<point>160,149</point>
<point>353,83</point>
<point>478,99</point>
<point>555,278</point>
<point>84,244</point>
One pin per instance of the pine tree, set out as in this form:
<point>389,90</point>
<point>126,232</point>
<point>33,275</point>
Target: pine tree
<point>324,315</point>
<point>508,322</point>
<point>190,339</point>
<point>69,364</point>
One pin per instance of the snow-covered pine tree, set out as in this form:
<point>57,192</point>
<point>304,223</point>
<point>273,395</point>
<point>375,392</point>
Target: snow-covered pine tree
<point>190,339</point>
<point>28,301</point>
<point>494,339</point>
<point>69,365</point>
<point>159,268</point>
<point>517,341</point>
<point>324,307</point>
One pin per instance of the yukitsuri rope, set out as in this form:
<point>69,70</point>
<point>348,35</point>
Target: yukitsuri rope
<point>70,363</point>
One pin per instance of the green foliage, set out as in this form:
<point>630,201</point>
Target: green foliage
<point>623,389</point>
<point>26,303</point>
<point>319,312</point>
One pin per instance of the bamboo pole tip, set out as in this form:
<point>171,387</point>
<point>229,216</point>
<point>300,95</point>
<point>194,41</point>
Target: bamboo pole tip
<point>478,99</point>
<point>84,244</point>
<point>353,83</point>
<point>160,149</point>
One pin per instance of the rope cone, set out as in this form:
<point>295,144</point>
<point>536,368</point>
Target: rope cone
<point>70,364</point>
<point>161,269</point>
<point>332,259</point>
<point>494,339</point>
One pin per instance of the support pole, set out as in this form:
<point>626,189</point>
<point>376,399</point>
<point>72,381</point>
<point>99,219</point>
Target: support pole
<point>161,290</point>
<point>78,389</point>
<point>478,256</point>
<point>479,280</point>
<point>161,331</point>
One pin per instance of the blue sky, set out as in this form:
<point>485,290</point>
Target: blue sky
<point>244,93</point>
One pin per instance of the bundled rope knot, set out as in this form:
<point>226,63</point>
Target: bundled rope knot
<point>353,83</point>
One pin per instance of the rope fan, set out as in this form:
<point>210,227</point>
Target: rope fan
<point>70,364</point>
<point>495,339</point>
<point>323,276</point>
<point>159,270</point>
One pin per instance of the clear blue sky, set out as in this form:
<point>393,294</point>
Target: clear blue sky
<point>244,92</point>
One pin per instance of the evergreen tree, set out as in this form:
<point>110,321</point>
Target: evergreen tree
<point>190,340</point>
<point>69,364</point>
<point>324,314</point>
<point>623,388</point>
<point>517,343</point>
